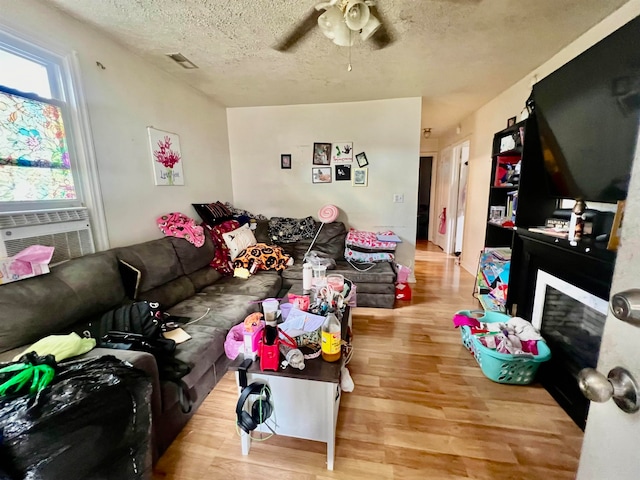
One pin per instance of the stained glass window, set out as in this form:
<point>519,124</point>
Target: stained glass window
<point>34,157</point>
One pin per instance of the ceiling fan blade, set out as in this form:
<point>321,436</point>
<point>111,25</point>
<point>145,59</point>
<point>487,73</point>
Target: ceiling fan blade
<point>383,37</point>
<point>295,35</point>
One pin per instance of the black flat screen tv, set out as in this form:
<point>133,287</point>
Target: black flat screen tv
<point>588,116</point>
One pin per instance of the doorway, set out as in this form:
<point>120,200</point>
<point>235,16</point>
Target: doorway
<point>451,197</point>
<point>461,154</point>
<point>424,197</point>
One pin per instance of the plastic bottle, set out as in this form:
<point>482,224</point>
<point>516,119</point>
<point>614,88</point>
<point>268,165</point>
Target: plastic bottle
<point>331,329</point>
<point>306,277</point>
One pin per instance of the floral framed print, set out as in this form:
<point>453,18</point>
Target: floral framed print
<point>285,160</point>
<point>321,153</point>
<point>166,157</point>
<point>362,159</point>
<point>360,177</point>
<point>321,175</point>
<point>343,172</point>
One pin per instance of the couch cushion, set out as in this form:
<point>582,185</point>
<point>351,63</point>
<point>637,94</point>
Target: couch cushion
<point>170,293</point>
<point>225,310</point>
<point>157,261</point>
<point>75,290</point>
<point>263,284</point>
<point>262,232</point>
<point>380,273</point>
<point>330,241</point>
<point>204,277</point>
<point>201,351</point>
<point>193,258</point>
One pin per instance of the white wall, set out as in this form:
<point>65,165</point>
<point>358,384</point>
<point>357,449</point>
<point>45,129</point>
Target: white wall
<point>492,117</point>
<point>387,130</point>
<point>123,100</point>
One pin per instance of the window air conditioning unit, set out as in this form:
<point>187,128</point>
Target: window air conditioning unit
<point>68,230</point>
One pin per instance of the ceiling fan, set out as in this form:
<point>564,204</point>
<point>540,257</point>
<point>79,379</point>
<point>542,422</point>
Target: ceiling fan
<point>341,21</point>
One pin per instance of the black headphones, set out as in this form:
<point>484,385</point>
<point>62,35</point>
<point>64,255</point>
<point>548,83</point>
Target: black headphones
<point>261,409</point>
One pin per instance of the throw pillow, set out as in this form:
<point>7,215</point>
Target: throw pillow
<point>288,230</point>
<point>239,239</point>
<point>268,257</point>
<point>221,261</point>
<point>212,213</point>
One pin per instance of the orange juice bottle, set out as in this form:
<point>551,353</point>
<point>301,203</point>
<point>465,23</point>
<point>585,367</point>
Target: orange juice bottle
<point>331,338</point>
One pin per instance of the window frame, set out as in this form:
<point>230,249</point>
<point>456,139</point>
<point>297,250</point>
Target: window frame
<point>65,81</point>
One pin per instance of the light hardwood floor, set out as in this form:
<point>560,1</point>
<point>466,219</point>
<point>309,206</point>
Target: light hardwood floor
<point>421,408</point>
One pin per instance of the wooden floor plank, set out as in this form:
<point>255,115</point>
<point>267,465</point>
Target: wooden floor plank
<point>421,408</point>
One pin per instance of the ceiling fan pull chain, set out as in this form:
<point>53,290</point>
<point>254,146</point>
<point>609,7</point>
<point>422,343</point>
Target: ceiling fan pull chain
<point>349,68</point>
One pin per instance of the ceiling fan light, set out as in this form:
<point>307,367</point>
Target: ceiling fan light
<point>356,14</point>
<point>370,28</point>
<point>343,36</point>
<point>330,21</point>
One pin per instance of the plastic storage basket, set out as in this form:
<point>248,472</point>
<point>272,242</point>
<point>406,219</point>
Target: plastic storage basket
<point>502,367</point>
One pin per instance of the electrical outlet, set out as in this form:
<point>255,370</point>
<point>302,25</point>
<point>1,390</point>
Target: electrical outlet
<point>398,198</point>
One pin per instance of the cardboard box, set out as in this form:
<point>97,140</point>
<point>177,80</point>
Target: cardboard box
<point>12,269</point>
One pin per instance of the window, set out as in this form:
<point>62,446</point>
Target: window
<point>37,161</point>
<point>47,161</point>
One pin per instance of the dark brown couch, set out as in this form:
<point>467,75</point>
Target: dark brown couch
<point>176,274</point>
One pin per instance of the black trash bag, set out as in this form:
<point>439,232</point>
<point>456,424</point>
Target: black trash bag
<point>93,422</point>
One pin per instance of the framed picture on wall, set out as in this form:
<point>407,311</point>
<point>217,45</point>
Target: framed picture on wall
<point>321,175</point>
<point>342,152</point>
<point>285,160</point>
<point>360,177</point>
<point>166,157</point>
<point>343,172</point>
<point>362,159</point>
<point>321,153</point>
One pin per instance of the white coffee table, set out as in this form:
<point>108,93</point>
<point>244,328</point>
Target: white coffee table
<point>306,402</point>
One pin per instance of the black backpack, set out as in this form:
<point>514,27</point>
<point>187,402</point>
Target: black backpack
<point>139,326</point>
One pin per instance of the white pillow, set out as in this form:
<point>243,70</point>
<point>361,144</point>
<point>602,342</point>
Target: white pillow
<point>239,239</point>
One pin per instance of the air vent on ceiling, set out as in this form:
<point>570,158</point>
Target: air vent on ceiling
<point>181,60</point>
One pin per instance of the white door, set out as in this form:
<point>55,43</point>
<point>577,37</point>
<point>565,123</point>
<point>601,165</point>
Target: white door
<point>443,188</point>
<point>461,200</point>
<point>611,447</point>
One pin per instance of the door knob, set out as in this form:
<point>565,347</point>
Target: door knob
<point>619,385</point>
<point>626,306</point>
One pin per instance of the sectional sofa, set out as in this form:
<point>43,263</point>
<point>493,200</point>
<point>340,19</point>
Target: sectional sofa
<point>175,273</point>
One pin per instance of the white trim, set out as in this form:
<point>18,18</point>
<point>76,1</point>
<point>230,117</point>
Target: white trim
<point>85,151</point>
<point>572,291</point>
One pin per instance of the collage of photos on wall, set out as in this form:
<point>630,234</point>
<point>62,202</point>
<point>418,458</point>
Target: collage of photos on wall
<point>334,162</point>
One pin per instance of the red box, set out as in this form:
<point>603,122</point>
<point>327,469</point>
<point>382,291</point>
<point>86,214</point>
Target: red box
<point>403,291</point>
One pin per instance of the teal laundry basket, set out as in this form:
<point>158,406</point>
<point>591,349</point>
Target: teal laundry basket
<point>502,367</point>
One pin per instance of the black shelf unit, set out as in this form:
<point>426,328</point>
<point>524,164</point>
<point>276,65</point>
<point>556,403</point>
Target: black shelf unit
<point>586,264</point>
<point>534,205</point>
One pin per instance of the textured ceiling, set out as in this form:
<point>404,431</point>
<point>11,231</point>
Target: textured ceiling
<point>456,54</point>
